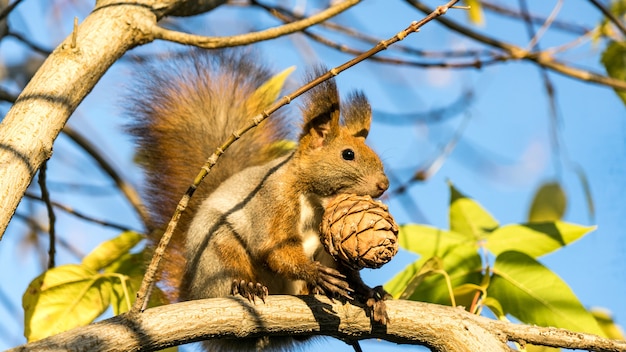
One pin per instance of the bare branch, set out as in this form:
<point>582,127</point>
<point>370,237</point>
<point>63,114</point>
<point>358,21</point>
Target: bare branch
<point>474,63</point>
<point>80,215</point>
<point>286,15</point>
<point>126,188</point>
<point>561,25</point>
<point>541,58</point>
<point>45,197</point>
<point>5,12</point>
<point>606,12</point>
<point>29,129</point>
<point>249,38</point>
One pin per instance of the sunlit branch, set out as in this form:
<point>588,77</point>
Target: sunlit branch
<point>535,19</point>
<point>286,15</point>
<point>540,58</point>
<point>249,38</point>
<point>606,12</point>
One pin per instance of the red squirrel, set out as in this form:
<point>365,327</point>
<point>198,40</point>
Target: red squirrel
<point>252,227</point>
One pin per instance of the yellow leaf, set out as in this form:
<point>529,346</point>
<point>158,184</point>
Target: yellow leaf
<point>549,204</point>
<point>475,12</point>
<point>268,92</point>
<point>109,251</point>
<point>63,298</point>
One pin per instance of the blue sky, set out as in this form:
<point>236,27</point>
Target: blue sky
<point>509,126</point>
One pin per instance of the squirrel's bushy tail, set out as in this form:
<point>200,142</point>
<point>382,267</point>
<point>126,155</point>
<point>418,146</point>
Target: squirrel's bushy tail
<point>182,108</point>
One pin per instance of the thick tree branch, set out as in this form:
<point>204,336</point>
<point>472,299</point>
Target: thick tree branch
<point>29,129</point>
<point>438,327</point>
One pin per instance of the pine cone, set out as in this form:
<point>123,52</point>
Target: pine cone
<point>359,231</point>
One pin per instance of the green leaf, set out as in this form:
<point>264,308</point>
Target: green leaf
<point>63,298</point>
<point>495,307</point>
<point>428,241</point>
<point>467,217</point>
<point>535,295</point>
<point>463,265</point>
<point>268,92</point>
<point>614,60</point>
<point>130,270</point>
<point>431,266</point>
<point>549,203</point>
<point>607,324</point>
<point>466,296</point>
<point>280,148</point>
<point>107,252</point>
<point>535,239</point>
<point>126,274</point>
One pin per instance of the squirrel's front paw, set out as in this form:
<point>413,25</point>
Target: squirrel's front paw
<point>249,290</point>
<point>331,282</point>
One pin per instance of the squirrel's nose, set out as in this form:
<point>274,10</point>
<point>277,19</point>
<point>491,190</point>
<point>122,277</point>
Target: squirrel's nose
<point>382,186</point>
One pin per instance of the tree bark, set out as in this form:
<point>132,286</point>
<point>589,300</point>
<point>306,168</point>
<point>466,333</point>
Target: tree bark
<point>440,328</point>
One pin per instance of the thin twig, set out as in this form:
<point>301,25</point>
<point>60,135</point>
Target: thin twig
<point>6,96</point>
<point>475,63</point>
<point>561,25</point>
<point>286,15</point>
<point>543,59</point>
<point>38,229</point>
<point>249,38</point>
<point>80,215</point>
<point>547,83</point>
<point>433,166</point>
<point>606,12</point>
<point>143,295</point>
<point>35,47</point>
<point>126,188</point>
<point>45,197</point>
<point>544,27</point>
<point>8,9</point>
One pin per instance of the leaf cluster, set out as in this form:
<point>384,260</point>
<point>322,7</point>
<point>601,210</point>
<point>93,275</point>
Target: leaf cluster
<point>75,294</point>
<point>480,263</point>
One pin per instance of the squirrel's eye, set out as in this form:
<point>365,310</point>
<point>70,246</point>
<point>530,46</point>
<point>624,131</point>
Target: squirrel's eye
<point>347,154</point>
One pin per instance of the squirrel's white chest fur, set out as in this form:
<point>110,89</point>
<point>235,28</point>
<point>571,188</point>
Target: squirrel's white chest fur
<point>311,212</point>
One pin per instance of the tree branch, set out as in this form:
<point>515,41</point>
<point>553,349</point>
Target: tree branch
<point>541,58</point>
<point>438,327</point>
<point>126,188</point>
<point>249,38</point>
<point>29,129</point>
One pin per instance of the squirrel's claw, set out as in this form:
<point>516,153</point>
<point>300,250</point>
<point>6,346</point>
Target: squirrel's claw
<point>249,290</point>
<point>332,283</point>
<point>375,302</point>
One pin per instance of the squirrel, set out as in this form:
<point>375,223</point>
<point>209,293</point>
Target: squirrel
<point>252,226</point>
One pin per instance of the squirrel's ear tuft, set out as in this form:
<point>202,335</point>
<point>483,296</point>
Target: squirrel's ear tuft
<point>357,114</point>
<point>320,111</point>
